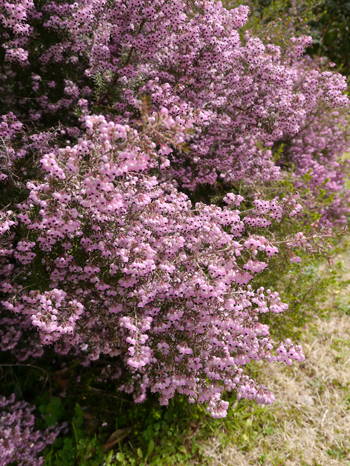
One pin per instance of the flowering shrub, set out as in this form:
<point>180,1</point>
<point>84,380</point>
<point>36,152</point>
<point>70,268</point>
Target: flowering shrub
<point>19,441</point>
<point>314,153</point>
<point>242,95</point>
<point>102,252</point>
<point>128,269</point>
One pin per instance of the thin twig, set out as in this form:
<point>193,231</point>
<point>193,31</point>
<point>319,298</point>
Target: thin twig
<point>108,394</point>
<point>34,367</point>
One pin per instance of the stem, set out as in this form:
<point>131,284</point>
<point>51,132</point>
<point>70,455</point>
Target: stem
<point>35,367</point>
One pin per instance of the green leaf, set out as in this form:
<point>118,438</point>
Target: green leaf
<point>150,448</point>
<point>139,453</point>
<point>53,411</point>
<point>109,458</point>
<point>79,416</point>
<point>120,457</point>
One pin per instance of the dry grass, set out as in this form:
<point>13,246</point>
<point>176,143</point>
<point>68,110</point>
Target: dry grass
<point>312,411</point>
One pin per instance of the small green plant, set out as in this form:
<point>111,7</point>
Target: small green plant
<point>78,448</point>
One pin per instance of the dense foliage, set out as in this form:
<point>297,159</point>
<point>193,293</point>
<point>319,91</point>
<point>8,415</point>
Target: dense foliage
<point>330,33</point>
<point>151,153</point>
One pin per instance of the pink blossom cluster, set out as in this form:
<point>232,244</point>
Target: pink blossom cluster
<point>19,441</point>
<point>133,271</point>
<point>315,152</point>
<point>14,16</point>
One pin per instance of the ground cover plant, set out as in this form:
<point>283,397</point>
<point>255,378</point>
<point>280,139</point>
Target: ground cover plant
<point>164,171</point>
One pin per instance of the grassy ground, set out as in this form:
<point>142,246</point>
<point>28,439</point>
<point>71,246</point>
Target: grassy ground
<point>310,422</point>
